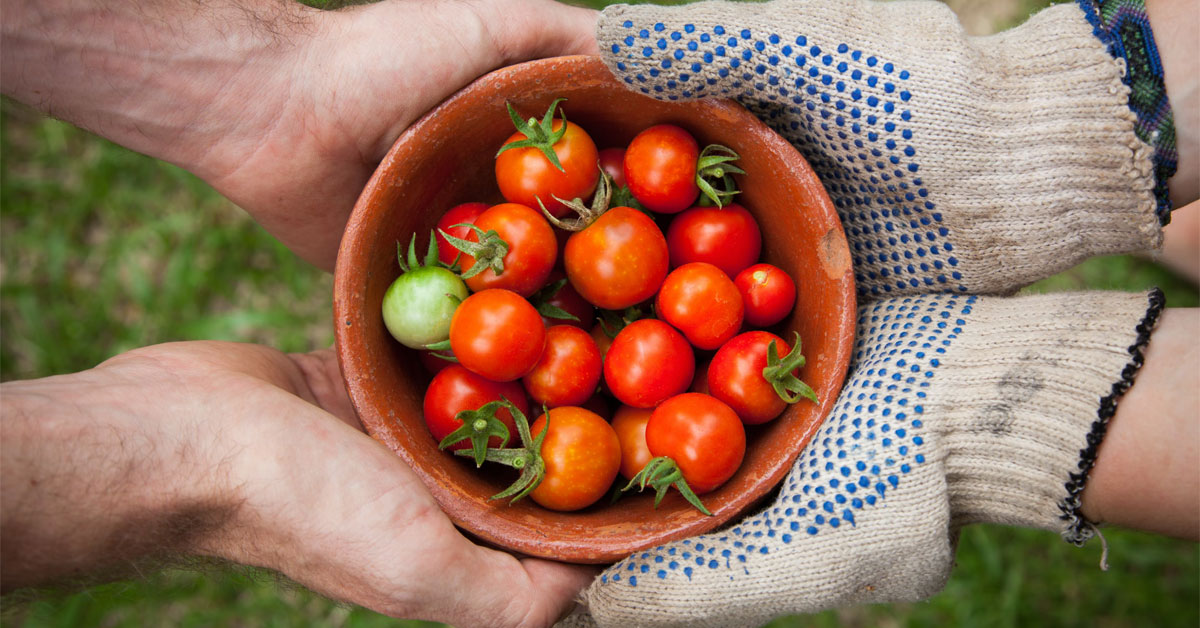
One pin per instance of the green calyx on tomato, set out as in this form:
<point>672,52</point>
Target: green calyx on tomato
<point>780,373</point>
<point>419,305</point>
<point>527,458</point>
<point>661,473</point>
<point>539,135</point>
<point>612,322</point>
<point>488,252</point>
<point>479,426</point>
<point>715,164</point>
<point>541,301</point>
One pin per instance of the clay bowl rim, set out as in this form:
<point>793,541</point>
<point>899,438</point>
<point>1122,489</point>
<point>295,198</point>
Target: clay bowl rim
<point>517,528</point>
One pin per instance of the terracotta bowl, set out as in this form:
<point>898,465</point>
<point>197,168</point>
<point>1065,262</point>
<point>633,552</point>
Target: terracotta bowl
<point>447,158</point>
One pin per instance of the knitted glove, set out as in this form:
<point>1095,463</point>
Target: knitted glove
<point>958,164</point>
<point>959,409</point>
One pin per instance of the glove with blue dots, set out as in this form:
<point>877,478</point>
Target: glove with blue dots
<point>958,164</point>
<point>958,409</point>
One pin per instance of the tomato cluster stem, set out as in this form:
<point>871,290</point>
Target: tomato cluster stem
<point>527,458</point>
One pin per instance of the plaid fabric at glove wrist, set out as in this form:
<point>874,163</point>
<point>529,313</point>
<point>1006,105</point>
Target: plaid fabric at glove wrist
<point>1124,27</point>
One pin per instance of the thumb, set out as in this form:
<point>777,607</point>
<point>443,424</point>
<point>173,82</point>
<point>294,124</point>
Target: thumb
<point>532,29</point>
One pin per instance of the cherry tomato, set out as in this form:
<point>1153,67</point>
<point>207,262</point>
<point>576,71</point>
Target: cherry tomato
<point>602,339</point>
<point>617,261</point>
<point>727,238</point>
<point>648,362</point>
<point>532,249</point>
<point>702,435</point>
<point>525,174</point>
<point>700,379</point>
<point>630,425</point>
<point>612,162</point>
<point>660,168</point>
<point>465,213</point>
<point>433,364</point>
<point>582,456</point>
<point>567,299</point>
<point>568,371</point>
<point>455,389</point>
<point>736,376</point>
<point>419,305</point>
<point>768,294</point>
<point>497,334</point>
<point>700,300</point>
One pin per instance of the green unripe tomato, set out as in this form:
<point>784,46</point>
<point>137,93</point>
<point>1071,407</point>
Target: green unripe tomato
<point>419,304</point>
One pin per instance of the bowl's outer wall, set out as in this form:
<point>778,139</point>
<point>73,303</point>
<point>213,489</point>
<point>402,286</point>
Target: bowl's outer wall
<point>447,158</point>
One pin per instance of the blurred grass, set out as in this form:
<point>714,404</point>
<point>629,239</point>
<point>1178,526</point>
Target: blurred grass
<point>103,250</point>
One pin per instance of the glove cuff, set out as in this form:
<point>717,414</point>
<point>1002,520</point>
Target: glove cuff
<point>1124,27</point>
<point>1030,403</point>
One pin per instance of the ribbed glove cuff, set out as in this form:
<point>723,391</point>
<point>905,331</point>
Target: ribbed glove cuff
<point>1030,401</point>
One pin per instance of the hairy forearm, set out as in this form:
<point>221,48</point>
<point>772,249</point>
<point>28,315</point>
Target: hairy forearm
<point>168,78</point>
<point>93,483</point>
<point>1147,473</point>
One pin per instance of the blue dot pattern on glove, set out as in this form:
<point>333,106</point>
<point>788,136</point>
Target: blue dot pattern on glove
<point>846,110</point>
<point>873,438</point>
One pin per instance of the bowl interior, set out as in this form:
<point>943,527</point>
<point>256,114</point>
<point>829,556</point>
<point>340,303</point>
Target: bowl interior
<point>447,158</point>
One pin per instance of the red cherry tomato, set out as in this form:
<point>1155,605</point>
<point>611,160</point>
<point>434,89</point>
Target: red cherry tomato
<point>569,370</point>
<point>727,238</point>
<point>532,249</point>
<point>630,425</point>
<point>497,334</point>
<point>736,376</point>
<point>602,339</point>
<point>455,389</point>
<point>433,364</point>
<point>648,362</point>
<point>570,301</point>
<point>768,294</point>
<point>700,300</point>
<point>612,162</point>
<point>700,379</point>
<point>660,168</point>
<point>465,213</point>
<point>582,456</point>
<point>525,174</point>
<point>702,435</point>
<point>617,261</point>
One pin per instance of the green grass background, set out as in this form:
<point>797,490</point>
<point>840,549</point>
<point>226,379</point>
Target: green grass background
<point>103,250</point>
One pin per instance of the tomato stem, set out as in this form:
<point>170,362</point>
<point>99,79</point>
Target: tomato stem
<point>539,135</point>
<point>586,215</point>
<point>488,251</point>
<point>715,164</point>
<point>478,426</point>
<point>780,373</point>
<point>661,473</point>
<point>527,458</point>
<point>410,262</point>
